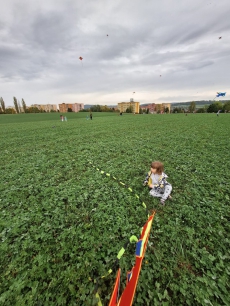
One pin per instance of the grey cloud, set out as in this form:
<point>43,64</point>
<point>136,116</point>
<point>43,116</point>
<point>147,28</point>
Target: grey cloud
<point>199,65</point>
<point>40,45</point>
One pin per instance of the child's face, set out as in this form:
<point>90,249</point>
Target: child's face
<point>153,170</point>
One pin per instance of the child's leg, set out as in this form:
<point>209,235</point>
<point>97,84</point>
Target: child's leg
<point>168,190</point>
<point>154,193</point>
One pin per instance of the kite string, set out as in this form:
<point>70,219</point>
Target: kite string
<point>122,184</point>
<point>132,239</point>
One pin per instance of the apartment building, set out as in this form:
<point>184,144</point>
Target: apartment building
<point>162,107</point>
<point>46,107</point>
<point>75,107</point>
<point>122,106</point>
<point>151,107</point>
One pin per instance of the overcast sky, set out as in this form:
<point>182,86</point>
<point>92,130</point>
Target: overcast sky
<point>163,50</point>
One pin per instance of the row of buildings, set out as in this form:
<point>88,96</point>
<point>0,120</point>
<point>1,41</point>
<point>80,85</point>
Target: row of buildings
<point>153,107</point>
<point>46,107</point>
<point>121,107</point>
<point>63,108</point>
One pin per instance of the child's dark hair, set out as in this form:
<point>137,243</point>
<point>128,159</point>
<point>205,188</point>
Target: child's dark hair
<point>158,166</point>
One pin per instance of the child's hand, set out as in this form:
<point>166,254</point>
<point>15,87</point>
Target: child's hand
<point>151,186</point>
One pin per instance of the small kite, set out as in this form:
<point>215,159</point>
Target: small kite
<point>81,58</point>
<point>160,75</point>
<point>220,37</point>
<point>221,94</point>
<point>107,35</point>
<point>134,92</point>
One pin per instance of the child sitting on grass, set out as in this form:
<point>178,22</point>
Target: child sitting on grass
<point>156,180</point>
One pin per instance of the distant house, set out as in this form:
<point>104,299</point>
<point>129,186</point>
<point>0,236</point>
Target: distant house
<point>151,107</point>
<point>46,107</point>
<point>75,107</point>
<point>164,106</point>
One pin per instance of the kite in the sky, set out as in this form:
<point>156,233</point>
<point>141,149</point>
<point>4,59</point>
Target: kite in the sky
<point>81,58</point>
<point>160,75</point>
<point>107,35</point>
<point>220,37</point>
<point>134,92</point>
<point>221,94</point>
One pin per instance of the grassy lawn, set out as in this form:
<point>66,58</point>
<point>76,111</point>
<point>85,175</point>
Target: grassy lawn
<point>62,223</point>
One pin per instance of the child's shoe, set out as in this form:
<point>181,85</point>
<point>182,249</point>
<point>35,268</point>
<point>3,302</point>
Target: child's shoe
<point>169,198</point>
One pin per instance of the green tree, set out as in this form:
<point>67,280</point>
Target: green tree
<point>129,109</point>
<point>33,109</point>
<point>95,108</point>
<point>201,110</point>
<point>24,105</point>
<point>215,107</point>
<point>178,110</point>
<point>16,105</point>
<point>83,110</point>
<point>226,106</point>
<point>105,108</point>
<point>3,105</point>
<point>10,110</point>
<point>192,107</point>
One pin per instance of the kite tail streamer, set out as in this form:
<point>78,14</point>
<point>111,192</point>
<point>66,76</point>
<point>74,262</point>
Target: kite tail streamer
<point>122,184</point>
<point>132,239</point>
<point>127,296</point>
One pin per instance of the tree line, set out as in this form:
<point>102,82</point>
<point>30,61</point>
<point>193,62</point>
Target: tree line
<point>212,108</point>
<point>19,108</point>
<point>98,108</point>
<point>10,110</point>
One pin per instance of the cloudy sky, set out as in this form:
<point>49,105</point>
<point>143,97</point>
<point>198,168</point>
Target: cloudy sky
<point>163,50</point>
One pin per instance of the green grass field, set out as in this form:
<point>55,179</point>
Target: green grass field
<point>62,223</point>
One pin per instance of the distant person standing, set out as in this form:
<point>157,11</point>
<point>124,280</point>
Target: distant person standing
<point>91,116</point>
<point>65,118</point>
<point>218,113</point>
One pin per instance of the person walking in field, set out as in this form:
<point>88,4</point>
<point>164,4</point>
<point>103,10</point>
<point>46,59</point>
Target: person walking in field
<point>91,116</point>
<point>156,181</point>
